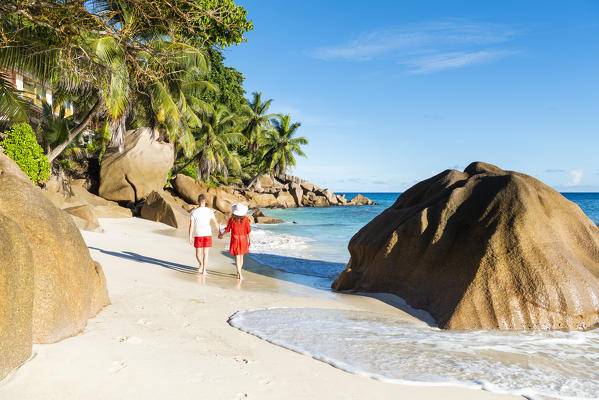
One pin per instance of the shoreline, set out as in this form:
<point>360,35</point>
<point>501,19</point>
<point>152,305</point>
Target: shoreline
<point>166,332</point>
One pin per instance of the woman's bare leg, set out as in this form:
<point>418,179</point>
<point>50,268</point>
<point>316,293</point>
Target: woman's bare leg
<point>199,258</point>
<point>239,265</point>
<point>205,259</point>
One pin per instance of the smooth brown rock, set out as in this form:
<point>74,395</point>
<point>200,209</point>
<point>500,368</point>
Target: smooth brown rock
<point>224,199</point>
<point>265,181</point>
<point>9,167</point>
<point>77,195</point>
<point>84,218</point>
<point>308,186</point>
<point>341,200</point>
<point>360,200</point>
<point>297,193</point>
<point>16,295</point>
<point>267,220</point>
<point>65,277</point>
<point>482,249</point>
<point>261,199</point>
<point>160,206</point>
<point>329,195</point>
<point>285,200</point>
<point>189,189</point>
<point>222,218</point>
<point>142,167</point>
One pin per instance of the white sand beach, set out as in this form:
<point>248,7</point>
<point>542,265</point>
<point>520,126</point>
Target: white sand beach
<point>166,335</point>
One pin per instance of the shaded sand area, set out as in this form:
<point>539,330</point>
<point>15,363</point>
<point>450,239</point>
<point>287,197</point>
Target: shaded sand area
<point>166,333</point>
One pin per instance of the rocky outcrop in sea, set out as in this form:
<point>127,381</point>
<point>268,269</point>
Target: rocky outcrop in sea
<point>482,249</point>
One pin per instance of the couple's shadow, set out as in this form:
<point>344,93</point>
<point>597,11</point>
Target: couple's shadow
<point>183,268</point>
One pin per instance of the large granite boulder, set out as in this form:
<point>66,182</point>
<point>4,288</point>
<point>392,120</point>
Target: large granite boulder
<point>84,218</point>
<point>16,294</point>
<point>68,286</point>
<point>160,206</point>
<point>329,195</point>
<point>360,200</point>
<point>297,193</point>
<point>142,167</point>
<point>484,248</point>
<point>261,199</point>
<point>285,200</point>
<point>189,189</point>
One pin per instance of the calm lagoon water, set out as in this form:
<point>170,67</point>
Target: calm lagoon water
<point>313,242</point>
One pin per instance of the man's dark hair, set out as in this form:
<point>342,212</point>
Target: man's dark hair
<point>201,199</point>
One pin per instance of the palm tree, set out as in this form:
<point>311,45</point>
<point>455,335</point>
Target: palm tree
<point>280,145</point>
<point>257,120</point>
<point>219,131</point>
<point>279,148</point>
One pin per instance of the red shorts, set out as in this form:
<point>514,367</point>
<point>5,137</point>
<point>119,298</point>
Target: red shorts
<point>202,241</point>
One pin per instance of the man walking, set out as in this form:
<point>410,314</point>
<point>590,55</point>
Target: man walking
<point>200,234</point>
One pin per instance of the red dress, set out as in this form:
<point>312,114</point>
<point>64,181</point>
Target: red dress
<point>239,236</point>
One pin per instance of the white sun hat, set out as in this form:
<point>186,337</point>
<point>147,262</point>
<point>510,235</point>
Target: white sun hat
<point>239,209</point>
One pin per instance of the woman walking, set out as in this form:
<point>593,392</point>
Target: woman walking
<point>200,234</point>
<point>239,227</point>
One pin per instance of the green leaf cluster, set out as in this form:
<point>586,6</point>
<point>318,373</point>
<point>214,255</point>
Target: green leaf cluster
<point>21,145</point>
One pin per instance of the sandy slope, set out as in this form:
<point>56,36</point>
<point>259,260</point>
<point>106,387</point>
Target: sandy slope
<point>166,333</point>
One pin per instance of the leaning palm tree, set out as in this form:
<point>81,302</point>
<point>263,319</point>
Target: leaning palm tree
<point>280,146</point>
<point>220,130</point>
<point>257,120</point>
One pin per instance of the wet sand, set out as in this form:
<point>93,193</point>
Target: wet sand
<point>166,335</point>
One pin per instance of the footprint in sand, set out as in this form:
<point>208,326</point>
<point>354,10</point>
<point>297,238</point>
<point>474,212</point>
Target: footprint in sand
<point>143,322</point>
<point>242,396</point>
<point>129,339</point>
<point>117,366</point>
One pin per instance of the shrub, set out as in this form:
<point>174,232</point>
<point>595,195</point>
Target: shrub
<point>191,170</point>
<point>21,145</point>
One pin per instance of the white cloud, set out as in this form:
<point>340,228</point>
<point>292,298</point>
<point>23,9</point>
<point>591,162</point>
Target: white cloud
<point>426,47</point>
<point>576,176</point>
<point>442,61</point>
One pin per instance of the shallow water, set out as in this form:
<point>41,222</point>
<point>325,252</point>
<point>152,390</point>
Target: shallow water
<point>538,365</point>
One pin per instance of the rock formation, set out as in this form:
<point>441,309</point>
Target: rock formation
<point>160,206</point>
<point>73,194</point>
<point>16,294</point>
<point>84,218</point>
<point>360,200</point>
<point>142,167</point>
<point>484,248</point>
<point>68,286</point>
<point>283,191</point>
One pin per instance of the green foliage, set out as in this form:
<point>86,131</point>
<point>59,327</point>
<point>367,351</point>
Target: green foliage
<point>191,170</point>
<point>20,145</point>
<point>229,82</point>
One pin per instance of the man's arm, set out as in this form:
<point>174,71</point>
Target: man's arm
<point>191,224</point>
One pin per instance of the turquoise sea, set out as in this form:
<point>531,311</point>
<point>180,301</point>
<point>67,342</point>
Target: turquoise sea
<point>323,233</point>
<point>311,246</point>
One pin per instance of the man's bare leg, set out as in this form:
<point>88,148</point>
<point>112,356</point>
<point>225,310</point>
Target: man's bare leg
<point>205,259</point>
<point>199,258</point>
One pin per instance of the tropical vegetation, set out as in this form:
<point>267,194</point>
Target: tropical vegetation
<point>136,63</point>
<point>20,144</point>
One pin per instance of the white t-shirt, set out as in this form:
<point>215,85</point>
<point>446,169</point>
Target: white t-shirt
<point>201,217</point>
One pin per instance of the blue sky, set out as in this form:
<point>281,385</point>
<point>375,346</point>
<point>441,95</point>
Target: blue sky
<point>390,92</point>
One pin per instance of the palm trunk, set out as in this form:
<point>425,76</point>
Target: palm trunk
<point>192,159</point>
<point>73,134</point>
<point>254,179</point>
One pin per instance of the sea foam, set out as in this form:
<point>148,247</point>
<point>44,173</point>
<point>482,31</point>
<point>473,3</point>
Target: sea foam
<point>537,365</point>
